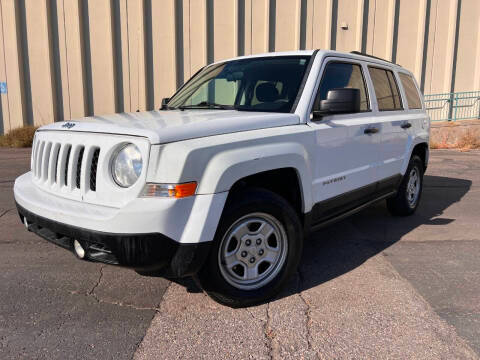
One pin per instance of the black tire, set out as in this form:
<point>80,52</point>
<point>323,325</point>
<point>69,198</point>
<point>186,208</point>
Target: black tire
<point>252,201</point>
<point>155,273</point>
<point>399,205</point>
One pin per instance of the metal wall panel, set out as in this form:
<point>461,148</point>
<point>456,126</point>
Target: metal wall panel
<point>163,52</point>
<point>13,102</point>
<point>38,61</point>
<point>102,62</point>
<point>64,59</point>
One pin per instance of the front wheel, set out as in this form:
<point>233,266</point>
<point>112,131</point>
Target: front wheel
<point>408,196</point>
<point>257,247</point>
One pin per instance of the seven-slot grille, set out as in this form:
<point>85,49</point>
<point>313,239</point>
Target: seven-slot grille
<point>61,164</point>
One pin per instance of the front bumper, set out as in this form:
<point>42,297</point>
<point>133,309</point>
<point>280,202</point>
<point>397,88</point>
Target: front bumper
<point>143,252</point>
<point>191,220</point>
<point>147,234</point>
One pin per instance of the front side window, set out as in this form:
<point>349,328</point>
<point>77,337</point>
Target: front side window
<point>257,84</point>
<point>411,91</point>
<point>386,89</point>
<point>338,75</point>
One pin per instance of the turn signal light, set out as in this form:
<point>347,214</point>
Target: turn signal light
<point>169,190</point>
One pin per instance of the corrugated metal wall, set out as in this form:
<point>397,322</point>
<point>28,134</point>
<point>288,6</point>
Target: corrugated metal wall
<point>63,59</point>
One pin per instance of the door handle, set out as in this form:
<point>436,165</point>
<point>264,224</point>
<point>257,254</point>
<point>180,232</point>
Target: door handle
<point>406,125</point>
<point>371,130</point>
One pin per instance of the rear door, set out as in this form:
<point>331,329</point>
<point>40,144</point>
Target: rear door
<point>394,124</point>
<point>416,118</point>
<point>345,155</point>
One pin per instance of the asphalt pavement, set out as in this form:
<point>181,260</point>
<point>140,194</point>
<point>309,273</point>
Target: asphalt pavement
<point>371,286</point>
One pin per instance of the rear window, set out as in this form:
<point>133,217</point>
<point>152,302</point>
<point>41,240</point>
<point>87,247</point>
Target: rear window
<point>386,89</point>
<point>411,91</point>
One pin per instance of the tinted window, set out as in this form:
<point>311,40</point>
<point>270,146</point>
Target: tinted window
<point>386,89</point>
<point>342,75</point>
<point>255,84</point>
<point>411,91</point>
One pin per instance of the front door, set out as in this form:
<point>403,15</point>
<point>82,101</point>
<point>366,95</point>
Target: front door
<point>347,149</point>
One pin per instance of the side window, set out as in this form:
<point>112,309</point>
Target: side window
<point>386,89</point>
<point>411,91</point>
<point>342,75</point>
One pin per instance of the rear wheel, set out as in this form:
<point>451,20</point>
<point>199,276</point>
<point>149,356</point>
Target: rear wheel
<point>257,247</point>
<point>409,193</point>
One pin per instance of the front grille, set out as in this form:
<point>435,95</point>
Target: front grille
<point>67,161</point>
<point>46,155</point>
<point>79,167</point>
<point>93,170</point>
<point>51,162</point>
<point>55,158</point>
<point>40,160</point>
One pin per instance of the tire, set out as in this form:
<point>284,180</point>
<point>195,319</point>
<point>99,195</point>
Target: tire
<point>406,201</point>
<point>155,273</point>
<point>253,268</point>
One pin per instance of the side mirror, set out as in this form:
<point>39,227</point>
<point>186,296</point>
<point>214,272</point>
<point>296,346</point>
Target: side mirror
<point>164,103</point>
<point>339,101</point>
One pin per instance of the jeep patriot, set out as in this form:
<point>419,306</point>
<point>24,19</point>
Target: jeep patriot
<point>227,179</point>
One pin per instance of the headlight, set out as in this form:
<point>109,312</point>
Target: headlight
<point>127,165</point>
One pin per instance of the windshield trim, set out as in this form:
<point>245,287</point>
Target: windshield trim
<point>304,81</point>
<point>186,82</point>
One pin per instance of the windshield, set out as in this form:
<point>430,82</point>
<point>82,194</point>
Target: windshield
<point>255,84</point>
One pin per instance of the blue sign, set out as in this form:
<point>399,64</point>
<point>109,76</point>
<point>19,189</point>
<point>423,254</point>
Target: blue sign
<point>3,87</point>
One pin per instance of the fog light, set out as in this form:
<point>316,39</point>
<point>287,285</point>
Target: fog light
<point>78,249</point>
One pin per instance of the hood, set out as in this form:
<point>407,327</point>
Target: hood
<point>176,125</point>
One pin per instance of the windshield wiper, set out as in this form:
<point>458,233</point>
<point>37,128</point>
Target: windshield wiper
<point>207,105</point>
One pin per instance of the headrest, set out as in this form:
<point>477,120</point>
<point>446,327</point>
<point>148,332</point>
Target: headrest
<point>267,92</point>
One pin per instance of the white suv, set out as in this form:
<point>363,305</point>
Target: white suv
<point>224,182</point>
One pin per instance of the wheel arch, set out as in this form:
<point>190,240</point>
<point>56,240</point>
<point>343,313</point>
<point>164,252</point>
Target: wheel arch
<point>422,150</point>
<point>266,166</point>
<point>287,185</point>
<point>419,148</point>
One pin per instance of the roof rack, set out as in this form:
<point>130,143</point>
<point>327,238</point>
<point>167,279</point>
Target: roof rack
<point>371,56</point>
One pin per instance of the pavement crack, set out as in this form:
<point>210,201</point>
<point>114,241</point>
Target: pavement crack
<point>99,300</point>
<point>92,295</point>
<point>307,314</point>
<point>130,306</point>
<point>92,291</point>
<point>5,212</point>
<point>254,317</point>
<point>269,334</point>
